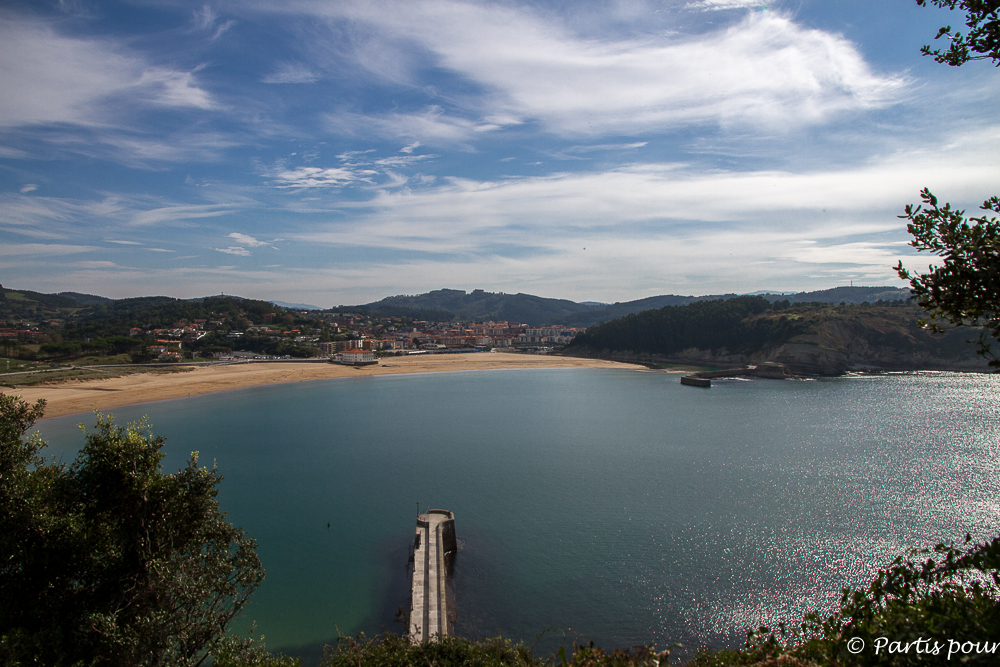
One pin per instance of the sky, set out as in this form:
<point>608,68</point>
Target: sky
<point>336,152</point>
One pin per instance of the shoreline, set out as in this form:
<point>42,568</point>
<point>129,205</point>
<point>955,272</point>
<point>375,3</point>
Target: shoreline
<point>70,397</point>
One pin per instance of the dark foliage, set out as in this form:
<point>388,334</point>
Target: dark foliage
<point>965,290</point>
<point>707,325</point>
<point>982,18</point>
<point>110,561</point>
<point>105,319</point>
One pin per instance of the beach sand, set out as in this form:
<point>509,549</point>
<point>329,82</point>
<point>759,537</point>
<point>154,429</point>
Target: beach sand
<point>74,396</point>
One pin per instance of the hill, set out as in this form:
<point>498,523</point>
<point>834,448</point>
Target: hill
<point>85,299</point>
<point>480,305</point>
<point>810,338</point>
<point>26,304</point>
<point>847,295</point>
<point>446,304</point>
<point>438,305</point>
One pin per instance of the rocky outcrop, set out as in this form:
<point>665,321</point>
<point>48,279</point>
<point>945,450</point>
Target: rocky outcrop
<point>836,347</point>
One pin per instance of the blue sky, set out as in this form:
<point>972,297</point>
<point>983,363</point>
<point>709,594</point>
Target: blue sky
<point>335,152</point>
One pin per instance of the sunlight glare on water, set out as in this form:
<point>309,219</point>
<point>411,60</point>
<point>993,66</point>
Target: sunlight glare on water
<point>618,504</point>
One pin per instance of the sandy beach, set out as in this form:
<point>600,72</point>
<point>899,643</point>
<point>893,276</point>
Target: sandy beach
<point>74,396</point>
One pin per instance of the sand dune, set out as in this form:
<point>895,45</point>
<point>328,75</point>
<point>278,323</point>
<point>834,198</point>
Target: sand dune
<point>73,396</point>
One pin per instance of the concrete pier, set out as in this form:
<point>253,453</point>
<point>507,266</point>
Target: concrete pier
<point>432,596</point>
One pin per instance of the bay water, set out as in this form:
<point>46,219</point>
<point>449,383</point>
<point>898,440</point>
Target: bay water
<point>609,505</point>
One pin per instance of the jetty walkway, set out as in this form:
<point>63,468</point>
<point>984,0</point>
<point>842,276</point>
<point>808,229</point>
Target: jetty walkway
<point>432,596</point>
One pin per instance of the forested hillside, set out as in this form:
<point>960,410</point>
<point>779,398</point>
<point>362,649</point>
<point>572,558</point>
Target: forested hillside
<point>811,338</point>
<point>478,305</point>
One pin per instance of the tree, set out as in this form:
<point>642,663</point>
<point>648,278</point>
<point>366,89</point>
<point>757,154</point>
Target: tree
<point>965,290</point>
<point>983,39</point>
<point>109,561</point>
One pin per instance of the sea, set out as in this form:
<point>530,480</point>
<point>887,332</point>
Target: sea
<point>605,505</point>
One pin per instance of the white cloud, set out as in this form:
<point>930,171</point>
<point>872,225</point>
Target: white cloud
<point>665,225</point>
<point>179,212</point>
<point>235,250</point>
<point>250,241</point>
<point>402,160</point>
<point>64,218</point>
<point>46,249</point>
<point>291,73</point>
<point>175,89</point>
<point>29,187</point>
<point>95,264</point>
<point>766,70</point>
<point>141,150</point>
<point>51,78</point>
<point>15,153</point>
<point>316,177</point>
<point>205,17</point>
<point>715,5</point>
<point>246,239</point>
<point>431,126</point>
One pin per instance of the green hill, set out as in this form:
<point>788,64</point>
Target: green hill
<point>809,338</point>
<point>446,304</point>
<point>480,305</point>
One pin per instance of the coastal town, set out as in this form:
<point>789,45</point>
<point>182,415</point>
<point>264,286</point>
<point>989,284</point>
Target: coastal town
<point>230,328</point>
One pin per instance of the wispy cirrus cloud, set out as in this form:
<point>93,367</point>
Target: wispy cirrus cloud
<point>431,126</point>
<point>665,223</point>
<point>716,5</point>
<point>765,70</point>
<point>66,218</point>
<point>176,213</point>
<point>234,250</point>
<point>206,19</point>
<point>317,177</point>
<point>48,77</point>
<point>291,73</point>
<point>46,249</point>
<point>356,168</point>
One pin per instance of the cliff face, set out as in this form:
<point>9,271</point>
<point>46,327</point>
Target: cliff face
<point>833,340</point>
<point>838,347</point>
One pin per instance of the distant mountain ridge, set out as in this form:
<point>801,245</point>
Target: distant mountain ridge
<point>449,304</point>
<point>539,311</point>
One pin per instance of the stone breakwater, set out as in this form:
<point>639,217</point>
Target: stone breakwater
<point>767,369</point>
<point>433,611</point>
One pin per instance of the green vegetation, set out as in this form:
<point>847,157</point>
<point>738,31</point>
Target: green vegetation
<point>965,290</point>
<point>746,329</point>
<point>109,561</point>
<point>478,305</point>
<point>706,325</point>
<point>982,41</point>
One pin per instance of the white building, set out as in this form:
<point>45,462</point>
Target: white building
<point>356,357</point>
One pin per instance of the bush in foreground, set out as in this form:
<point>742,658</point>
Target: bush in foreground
<point>109,561</point>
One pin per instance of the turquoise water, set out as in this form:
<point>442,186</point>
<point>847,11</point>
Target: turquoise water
<point>615,504</point>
